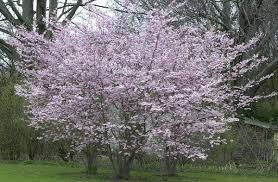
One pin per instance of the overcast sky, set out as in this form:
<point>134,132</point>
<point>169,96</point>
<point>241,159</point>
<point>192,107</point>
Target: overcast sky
<point>81,15</point>
<point>101,2</point>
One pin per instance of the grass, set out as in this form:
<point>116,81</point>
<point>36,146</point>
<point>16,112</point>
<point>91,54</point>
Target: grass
<point>37,172</point>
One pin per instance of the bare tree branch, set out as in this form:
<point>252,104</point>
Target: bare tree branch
<point>5,12</point>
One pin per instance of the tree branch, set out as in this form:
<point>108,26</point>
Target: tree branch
<point>73,10</point>
<point>19,16</point>
<point>118,10</point>
<point>6,13</point>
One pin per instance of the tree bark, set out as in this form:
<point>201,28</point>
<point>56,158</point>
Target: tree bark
<point>91,160</point>
<point>53,9</point>
<point>7,14</point>
<point>171,166</point>
<point>227,13</point>
<point>121,165</point>
<point>73,11</point>
<point>170,163</point>
<point>28,13</point>
<point>41,15</point>
<point>124,165</point>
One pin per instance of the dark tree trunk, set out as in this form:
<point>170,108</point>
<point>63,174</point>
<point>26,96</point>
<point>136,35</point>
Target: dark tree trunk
<point>227,13</point>
<point>171,166</point>
<point>31,155</point>
<point>53,4</point>
<point>170,162</point>
<point>62,153</point>
<point>91,160</point>
<point>121,166</point>
<point>124,168</point>
<point>28,13</point>
<point>32,149</point>
<point>41,15</point>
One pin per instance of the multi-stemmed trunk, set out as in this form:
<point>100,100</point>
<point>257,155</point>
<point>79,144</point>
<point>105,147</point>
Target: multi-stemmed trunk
<point>91,166</point>
<point>121,165</point>
<point>170,162</point>
<point>124,166</point>
<point>171,166</point>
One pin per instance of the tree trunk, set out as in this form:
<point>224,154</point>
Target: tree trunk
<point>32,148</point>
<point>28,13</point>
<point>41,15</point>
<point>121,165</point>
<point>91,160</point>
<point>227,13</point>
<point>170,162</point>
<point>171,166</point>
<point>124,167</point>
<point>53,9</point>
<point>31,155</point>
<point>62,153</point>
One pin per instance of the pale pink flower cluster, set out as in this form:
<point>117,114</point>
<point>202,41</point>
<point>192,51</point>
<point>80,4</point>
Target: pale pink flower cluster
<point>150,88</point>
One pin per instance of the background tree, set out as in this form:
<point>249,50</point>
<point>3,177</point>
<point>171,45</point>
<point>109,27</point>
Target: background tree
<point>242,19</point>
<point>13,130</point>
<point>32,14</point>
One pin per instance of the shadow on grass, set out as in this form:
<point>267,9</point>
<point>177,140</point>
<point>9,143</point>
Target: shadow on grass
<point>185,178</point>
<point>106,175</point>
<point>83,176</point>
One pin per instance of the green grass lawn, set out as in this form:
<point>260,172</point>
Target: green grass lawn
<point>60,173</point>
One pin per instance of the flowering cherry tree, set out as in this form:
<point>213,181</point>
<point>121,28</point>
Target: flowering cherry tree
<point>152,88</point>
